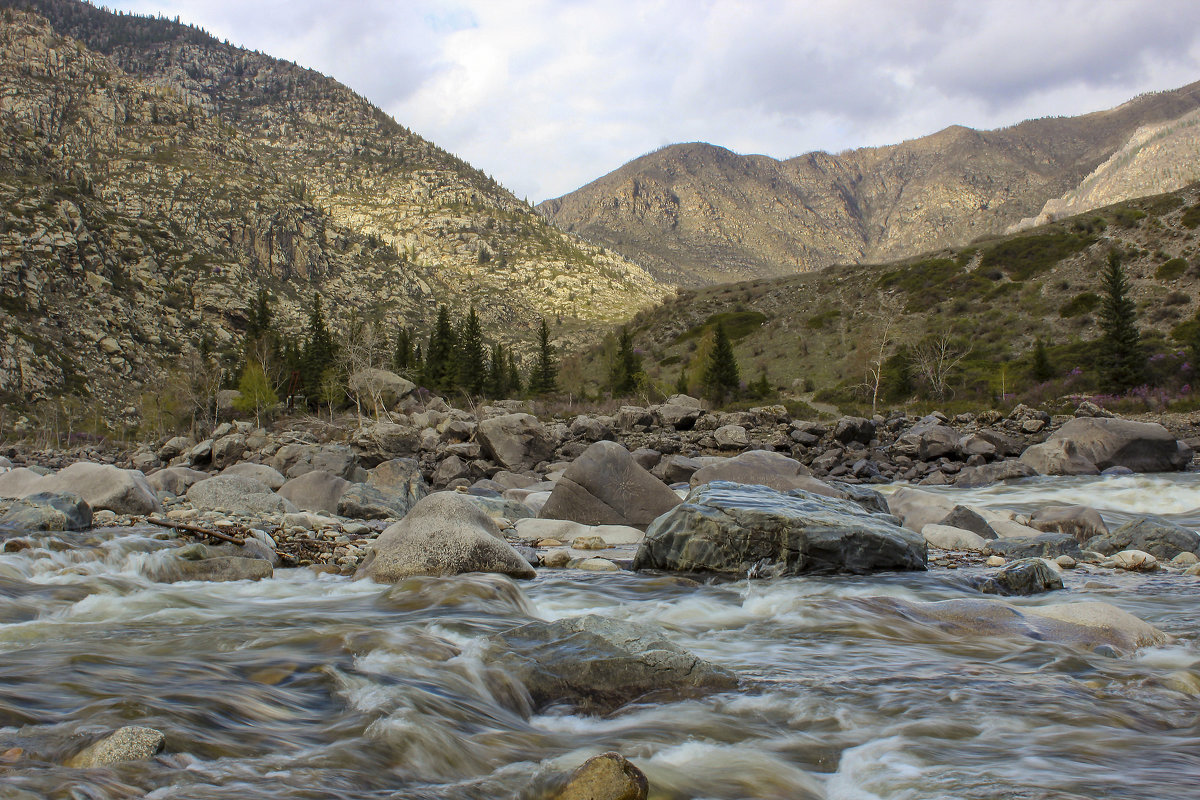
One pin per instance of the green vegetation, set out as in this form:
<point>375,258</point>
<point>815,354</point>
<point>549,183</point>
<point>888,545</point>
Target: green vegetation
<point>1126,216</point>
<point>1080,304</point>
<point>818,321</point>
<point>721,376</point>
<point>627,374</point>
<point>1191,217</point>
<point>1120,346</point>
<point>544,379</point>
<point>1027,256</point>
<point>1171,269</point>
<point>737,325</point>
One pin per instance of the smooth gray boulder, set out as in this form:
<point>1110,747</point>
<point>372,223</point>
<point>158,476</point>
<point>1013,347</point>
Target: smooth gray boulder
<point>1140,446</point>
<point>996,472</point>
<point>443,534</point>
<point>315,490</point>
<point>1088,625</point>
<point>927,440</point>
<point>364,501</point>
<point>131,743</point>
<point>399,478</point>
<point>106,488</point>
<point>1160,538</point>
<point>598,664</point>
<point>20,482</point>
<point>1082,522</point>
<point>1025,576</point>
<point>237,494</point>
<point>950,538</point>
<point>175,480</point>
<point>1048,545</point>
<point>754,530</point>
<point>262,473</point>
<point>386,440</point>
<point>764,468</point>
<point>294,460</point>
<point>227,450</point>
<point>48,511</point>
<point>605,486</point>
<point>380,386</point>
<point>517,442</point>
<point>1058,457</point>
<point>968,519</point>
<point>917,508</point>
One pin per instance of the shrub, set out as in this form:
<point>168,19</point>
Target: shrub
<point>1027,256</point>
<point>1170,270</point>
<point>1079,304</point>
<point>1191,217</point>
<point>1127,217</point>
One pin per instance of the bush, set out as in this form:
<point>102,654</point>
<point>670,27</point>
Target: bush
<point>1027,256</point>
<point>1170,270</point>
<point>1127,217</point>
<point>1191,217</point>
<point>818,321</point>
<point>1079,304</point>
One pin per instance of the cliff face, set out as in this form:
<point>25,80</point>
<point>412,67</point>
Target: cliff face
<point>698,214</point>
<point>152,179</point>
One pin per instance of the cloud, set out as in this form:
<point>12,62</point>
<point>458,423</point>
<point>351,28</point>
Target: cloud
<point>547,95</point>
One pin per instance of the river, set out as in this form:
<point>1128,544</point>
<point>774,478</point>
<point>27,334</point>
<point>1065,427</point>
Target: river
<point>306,686</point>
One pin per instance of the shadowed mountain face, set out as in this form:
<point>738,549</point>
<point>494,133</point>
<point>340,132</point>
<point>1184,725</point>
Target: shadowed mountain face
<point>697,214</point>
<point>153,179</point>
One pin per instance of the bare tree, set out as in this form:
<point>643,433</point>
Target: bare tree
<point>935,358</point>
<point>885,316</point>
<point>365,347</point>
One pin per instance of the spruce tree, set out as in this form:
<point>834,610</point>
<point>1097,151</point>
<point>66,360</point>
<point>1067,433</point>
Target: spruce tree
<point>513,378</point>
<point>403,357</point>
<point>721,378</point>
<point>1120,343</point>
<point>626,370</point>
<point>471,356</point>
<point>440,369</point>
<point>497,378</point>
<point>544,379</point>
<point>320,351</point>
<point>1043,370</point>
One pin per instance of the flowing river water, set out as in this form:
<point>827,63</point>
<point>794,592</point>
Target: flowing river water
<point>306,686</point>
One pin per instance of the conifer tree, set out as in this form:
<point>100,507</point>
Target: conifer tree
<point>440,369</point>
<point>721,378</point>
<point>471,356</point>
<point>497,382</point>
<point>320,351</point>
<point>1043,370</point>
<point>544,378</point>
<point>1120,343</point>
<point>626,370</point>
<point>402,360</point>
<point>515,385</point>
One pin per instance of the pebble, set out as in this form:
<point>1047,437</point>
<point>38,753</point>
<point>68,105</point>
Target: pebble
<point>996,561</point>
<point>549,543</point>
<point>1136,560</point>
<point>1065,561</point>
<point>589,543</point>
<point>1185,559</point>
<point>597,565</point>
<point>1194,569</point>
<point>556,558</point>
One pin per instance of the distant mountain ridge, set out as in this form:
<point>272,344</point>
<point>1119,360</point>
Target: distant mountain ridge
<point>153,178</point>
<point>697,214</point>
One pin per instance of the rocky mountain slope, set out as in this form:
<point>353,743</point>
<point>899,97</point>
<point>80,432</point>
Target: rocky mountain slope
<point>698,214</point>
<point>152,179</point>
<point>993,300</point>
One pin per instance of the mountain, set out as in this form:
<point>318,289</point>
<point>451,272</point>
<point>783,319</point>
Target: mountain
<point>697,214</point>
<point>153,179</point>
<point>992,301</point>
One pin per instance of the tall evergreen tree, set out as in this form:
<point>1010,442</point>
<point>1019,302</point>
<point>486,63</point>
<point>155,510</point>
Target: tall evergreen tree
<point>1043,370</point>
<point>258,323</point>
<point>320,352</point>
<point>440,369</point>
<point>544,378</point>
<point>1120,343</point>
<point>721,377</point>
<point>402,360</point>
<point>515,385</point>
<point>497,382</point>
<point>626,372</point>
<point>471,356</point>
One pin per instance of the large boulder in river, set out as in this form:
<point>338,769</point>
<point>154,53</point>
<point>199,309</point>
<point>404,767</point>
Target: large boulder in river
<point>1058,457</point>
<point>175,480</point>
<point>1025,576</point>
<point>1082,522</point>
<point>917,508</point>
<point>608,776</point>
<point>606,486</point>
<point>740,530</point>
<point>599,664</point>
<point>106,488</point>
<point>996,472</point>
<point>131,743</point>
<point>20,482</point>
<point>48,511</point>
<point>443,534</point>
<point>217,569</point>
<point>1140,446</point>
<point>765,468</point>
<point>518,442</point>
<point>1046,545</point>
<point>259,472</point>
<point>237,494</point>
<point>316,490</point>
<point>1162,539</point>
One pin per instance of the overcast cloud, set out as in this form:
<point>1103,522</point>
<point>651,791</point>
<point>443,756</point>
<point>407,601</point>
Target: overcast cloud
<point>547,95</point>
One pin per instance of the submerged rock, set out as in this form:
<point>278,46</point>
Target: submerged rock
<point>443,534</point>
<point>1162,539</point>
<point>1024,577</point>
<point>726,527</point>
<point>609,776</point>
<point>131,743</point>
<point>1047,545</point>
<point>599,664</point>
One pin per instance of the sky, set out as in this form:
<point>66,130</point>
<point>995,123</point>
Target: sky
<point>547,95</point>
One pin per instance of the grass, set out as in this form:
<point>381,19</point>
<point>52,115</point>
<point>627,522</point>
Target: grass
<point>1026,256</point>
<point>738,325</point>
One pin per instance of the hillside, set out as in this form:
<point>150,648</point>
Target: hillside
<point>152,179</point>
<point>822,330</point>
<point>696,214</point>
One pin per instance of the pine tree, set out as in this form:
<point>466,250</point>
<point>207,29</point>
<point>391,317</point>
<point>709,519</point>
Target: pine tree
<point>515,385</point>
<point>440,369</point>
<point>681,383</point>
<point>258,323</point>
<point>320,351</point>
<point>1043,370</point>
<point>626,372</point>
<point>1120,343</point>
<point>497,382</point>
<point>471,356</point>
<point>721,378</point>
<point>544,378</point>
<point>402,360</point>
